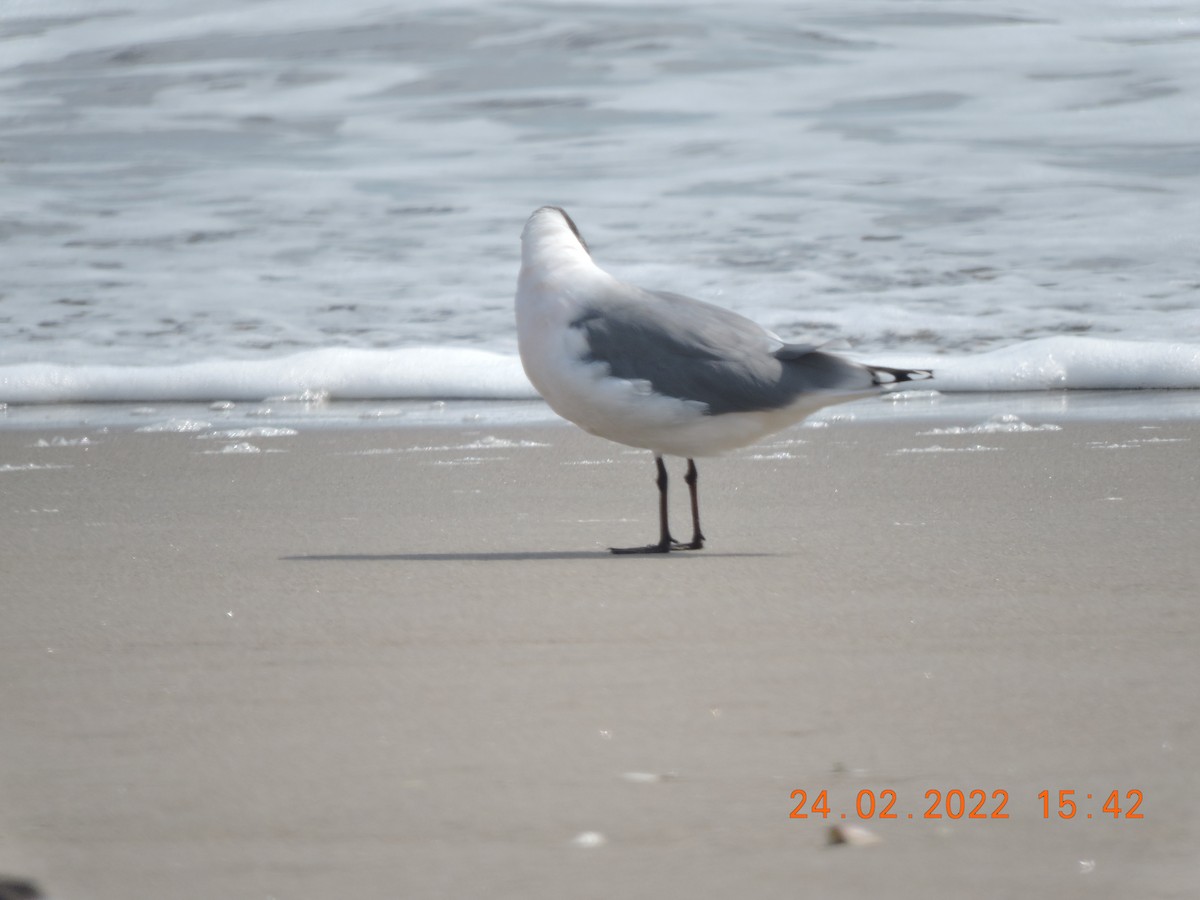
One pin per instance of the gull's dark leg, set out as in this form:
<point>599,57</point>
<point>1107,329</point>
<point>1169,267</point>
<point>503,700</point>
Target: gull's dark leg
<point>665,541</point>
<point>692,478</point>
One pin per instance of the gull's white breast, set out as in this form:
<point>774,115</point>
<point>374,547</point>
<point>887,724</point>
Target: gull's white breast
<point>554,355</point>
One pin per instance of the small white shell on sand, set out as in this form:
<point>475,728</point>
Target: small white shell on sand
<point>589,840</point>
<point>649,777</point>
<point>854,835</point>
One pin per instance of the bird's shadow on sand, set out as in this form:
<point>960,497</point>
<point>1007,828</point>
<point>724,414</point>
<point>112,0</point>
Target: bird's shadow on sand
<point>517,555</point>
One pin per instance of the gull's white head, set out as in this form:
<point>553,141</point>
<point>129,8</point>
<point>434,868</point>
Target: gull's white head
<point>551,239</point>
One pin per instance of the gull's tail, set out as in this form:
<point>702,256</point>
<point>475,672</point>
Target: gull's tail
<point>883,375</point>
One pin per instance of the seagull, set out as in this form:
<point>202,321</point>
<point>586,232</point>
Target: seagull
<point>661,371</point>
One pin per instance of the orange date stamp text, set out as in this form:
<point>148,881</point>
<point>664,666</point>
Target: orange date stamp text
<point>957,803</point>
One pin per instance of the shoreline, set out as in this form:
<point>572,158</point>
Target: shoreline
<point>918,405</point>
<point>382,662</point>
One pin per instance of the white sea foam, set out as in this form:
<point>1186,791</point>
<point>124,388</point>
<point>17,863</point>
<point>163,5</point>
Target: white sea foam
<point>339,373</point>
<point>485,443</point>
<point>937,448</point>
<point>1075,363</point>
<point>175,426</point>
<point>1001,423</point>
<point>63,442</point>
<point>458,373</point>
<point>263,431</point>
<point>1133,444</point>
<point>911,395</point>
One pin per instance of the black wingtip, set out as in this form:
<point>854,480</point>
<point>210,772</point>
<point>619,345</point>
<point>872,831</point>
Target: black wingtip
<point>884,375</point>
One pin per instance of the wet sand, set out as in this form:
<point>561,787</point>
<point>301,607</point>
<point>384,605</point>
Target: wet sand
<point>401,663</point>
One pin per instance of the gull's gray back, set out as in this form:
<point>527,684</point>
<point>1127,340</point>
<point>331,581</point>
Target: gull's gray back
<point>696,351</point>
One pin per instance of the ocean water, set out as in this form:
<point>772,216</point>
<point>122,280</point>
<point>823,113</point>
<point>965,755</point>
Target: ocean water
<point>238,200</point>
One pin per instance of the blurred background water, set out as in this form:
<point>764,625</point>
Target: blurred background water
<point>247,180</point>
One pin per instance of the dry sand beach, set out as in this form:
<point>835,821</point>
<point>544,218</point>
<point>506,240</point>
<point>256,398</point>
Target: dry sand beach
<point>400,663</point>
